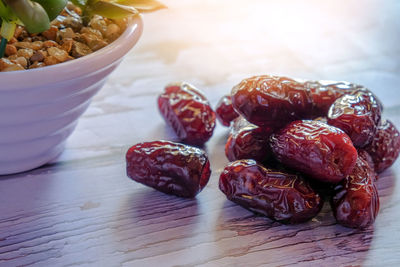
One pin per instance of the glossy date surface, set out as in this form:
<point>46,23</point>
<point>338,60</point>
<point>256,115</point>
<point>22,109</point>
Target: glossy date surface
<point>363,154</point>
<point>355,202</point>
<point>283,197</point>
<point>324,93</point>
<point>322,151</point>
<point>385,146</point>
<point>358,114</point>
<point>188,112</point>
<point>271,101</point>
<point>169,167</point>
<point>249,142</point>
<point>224,111</point>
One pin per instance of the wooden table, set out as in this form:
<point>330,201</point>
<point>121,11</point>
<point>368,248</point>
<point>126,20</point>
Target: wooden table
<point>82,210</point>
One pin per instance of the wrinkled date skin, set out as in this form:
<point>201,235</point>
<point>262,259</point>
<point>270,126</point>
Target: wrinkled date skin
<point>250,142</point>
<point>385,146</point>
<point>277,195</point>
<point>355,203</point>
<point>225,112</point>
<point>324,93</point>
<point>357,114</point>
<point>169,167</point>
<point>363,154</point>
<point>274,101</point>
<point>323,152</point>
<point>238,124</point>
<point>188,112</point>
<point>271,101</point>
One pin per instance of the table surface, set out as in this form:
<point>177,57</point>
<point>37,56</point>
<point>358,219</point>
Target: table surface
<point>82,210</point>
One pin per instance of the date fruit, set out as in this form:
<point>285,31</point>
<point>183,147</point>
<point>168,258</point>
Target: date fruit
<point>358,114</point>
<point>188,112</point>
<point>363,154</point>
<point>356,202</point>
<point>324,93</point>
<point>322,151</point>
<point>224,111</point>
<point>271,101</point>
<point>169,167</point>
<point>385,146</point>
<point>239,123</point>
<point>250,142</point>
<point>283,197</point>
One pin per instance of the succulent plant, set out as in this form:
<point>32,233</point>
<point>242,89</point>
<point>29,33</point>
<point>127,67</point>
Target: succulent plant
<point>35,15</point>
<point>116,9</point>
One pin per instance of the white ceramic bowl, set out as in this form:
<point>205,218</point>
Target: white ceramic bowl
<point>39,108</point>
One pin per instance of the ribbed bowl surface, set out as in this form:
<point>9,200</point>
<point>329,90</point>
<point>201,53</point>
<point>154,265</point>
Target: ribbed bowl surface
<point>39,108</point>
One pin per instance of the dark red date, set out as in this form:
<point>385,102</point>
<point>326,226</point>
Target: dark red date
<point>324,152</point>
<point>238,124</point>
<point>188,112</point>
<point>358,114</point>
<point>271,101</point>
<point>225,112</point>
<point>250,142</point>
<point>355,203</point>
<point>169,167</point>
<point>277,195</point>
<point>363,154</point>
<point>385,146</point>
<point>324,93</point>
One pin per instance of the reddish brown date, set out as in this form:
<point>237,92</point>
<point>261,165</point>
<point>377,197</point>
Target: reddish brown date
<point>355,203</point>
<point>224,111</point>
<point>324,152</point>
<point>277,195</point>
<point>188,112</point>
<point>363,154</point>
<point>385,146</point>
<point>250,142</point>
<point>169,167</point>
<point>358,114</point>
<point>238,124</point>
<point>271,101</point>
<point>324,93</point>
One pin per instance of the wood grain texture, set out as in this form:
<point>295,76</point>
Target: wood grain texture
<point>82,210</point>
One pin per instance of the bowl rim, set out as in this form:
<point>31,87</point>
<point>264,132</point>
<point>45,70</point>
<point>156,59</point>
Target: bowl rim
<point>16,80</point>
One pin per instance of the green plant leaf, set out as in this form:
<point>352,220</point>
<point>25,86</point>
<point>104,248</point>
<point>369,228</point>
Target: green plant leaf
<point>142,5</point>
<point>6,13</point>
<point>32,14</point>
<point>3,10</point>
<point>53,7</point>
<point>79,3</point>
<point>110,10</point>
<point>7,29</point>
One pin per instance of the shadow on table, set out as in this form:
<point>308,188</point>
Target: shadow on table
<point>248,237</point>
<point>150,221</point>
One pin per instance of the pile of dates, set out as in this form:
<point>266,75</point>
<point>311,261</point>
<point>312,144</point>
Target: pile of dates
<point>292,145</point>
